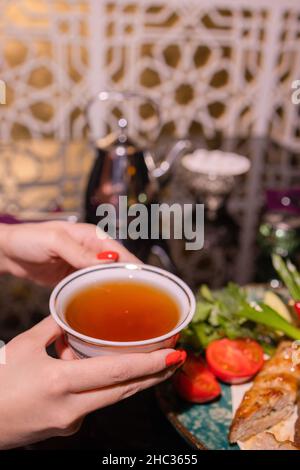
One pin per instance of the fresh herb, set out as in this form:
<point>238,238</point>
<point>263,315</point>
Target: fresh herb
<point>288,274</point>
<point>262,313</point>
<point>229,313</point>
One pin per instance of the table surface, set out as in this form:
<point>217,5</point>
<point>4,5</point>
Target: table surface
<point>138,423</point>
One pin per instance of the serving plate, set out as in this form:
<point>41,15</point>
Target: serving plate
<point>205,426</point>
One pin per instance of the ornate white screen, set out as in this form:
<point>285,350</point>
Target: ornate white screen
<point>212,65</point>
<point>44,62</point>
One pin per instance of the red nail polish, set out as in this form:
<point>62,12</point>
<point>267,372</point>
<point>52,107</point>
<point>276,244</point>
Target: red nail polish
<point>175,358</point>
<point>108,256</point>
<point>183,355</point>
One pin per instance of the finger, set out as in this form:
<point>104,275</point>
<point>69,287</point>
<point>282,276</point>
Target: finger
<point>75,254</point>
<point>124,255</point>
<point>62,350</point>
<point>86,402</point>
<point>44,333</point>
<point>96,240</point>
<point>98,372</point>
<point>73,429</point>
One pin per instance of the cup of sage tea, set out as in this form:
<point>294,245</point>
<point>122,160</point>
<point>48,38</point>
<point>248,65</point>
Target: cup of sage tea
<point>121,308</point>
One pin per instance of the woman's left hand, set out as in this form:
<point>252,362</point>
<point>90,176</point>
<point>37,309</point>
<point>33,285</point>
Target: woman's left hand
<point>48,251</point>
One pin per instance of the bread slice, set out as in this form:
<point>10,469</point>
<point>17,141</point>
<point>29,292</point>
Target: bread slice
<point>271,398</point>
<point>267,441</point>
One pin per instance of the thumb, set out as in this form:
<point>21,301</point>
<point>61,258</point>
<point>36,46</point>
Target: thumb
<point>62,349</point>
<point>44,333</point>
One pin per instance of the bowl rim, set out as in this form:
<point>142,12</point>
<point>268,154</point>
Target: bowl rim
<point>131,266</point>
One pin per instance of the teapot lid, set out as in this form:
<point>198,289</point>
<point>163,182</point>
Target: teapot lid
<point>118,139</point>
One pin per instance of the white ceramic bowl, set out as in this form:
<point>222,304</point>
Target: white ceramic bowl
<point>86,346</point>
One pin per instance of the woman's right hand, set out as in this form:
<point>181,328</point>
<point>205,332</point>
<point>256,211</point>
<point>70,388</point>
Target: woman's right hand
<point>42,397</point>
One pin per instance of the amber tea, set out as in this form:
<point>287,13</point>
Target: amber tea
<point>122,311</point>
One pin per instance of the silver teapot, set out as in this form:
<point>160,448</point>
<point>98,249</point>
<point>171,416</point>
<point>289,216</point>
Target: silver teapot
<point>123,168</point>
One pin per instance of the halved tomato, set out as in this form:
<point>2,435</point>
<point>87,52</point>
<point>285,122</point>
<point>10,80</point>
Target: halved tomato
<point>234,361</point>
<point>194,382</point>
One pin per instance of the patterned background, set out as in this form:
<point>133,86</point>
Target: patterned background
<point>217,67</point>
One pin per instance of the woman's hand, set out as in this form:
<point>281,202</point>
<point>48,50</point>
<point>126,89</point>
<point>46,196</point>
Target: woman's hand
<point>46,252</point>
<point>43,397</point>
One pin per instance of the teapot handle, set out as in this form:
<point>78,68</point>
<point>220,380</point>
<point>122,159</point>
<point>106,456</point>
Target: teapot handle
<point>112,95</point>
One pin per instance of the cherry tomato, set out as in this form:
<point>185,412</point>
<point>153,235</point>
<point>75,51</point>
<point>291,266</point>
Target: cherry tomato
<point>297,308</point>
<point>194,382</point>
<point>234,361</point>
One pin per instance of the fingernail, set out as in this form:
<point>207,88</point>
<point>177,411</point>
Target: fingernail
<point>183,356</point>
<point>108,256</point>
<point>175,357</point>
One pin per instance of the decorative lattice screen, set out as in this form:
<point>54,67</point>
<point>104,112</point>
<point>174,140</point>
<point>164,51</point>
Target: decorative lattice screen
<point>214,66</point>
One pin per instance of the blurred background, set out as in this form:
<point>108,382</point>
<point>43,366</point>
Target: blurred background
<point>219,72</point>
<point>218,67</point>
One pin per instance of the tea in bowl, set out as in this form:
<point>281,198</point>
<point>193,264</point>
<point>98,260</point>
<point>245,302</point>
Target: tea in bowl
<point>121,308</point>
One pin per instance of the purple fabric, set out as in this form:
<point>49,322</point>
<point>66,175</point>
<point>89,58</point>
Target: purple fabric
<point>8,219</point>
<point>287,200</point>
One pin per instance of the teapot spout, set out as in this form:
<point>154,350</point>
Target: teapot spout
<point>178,149</point>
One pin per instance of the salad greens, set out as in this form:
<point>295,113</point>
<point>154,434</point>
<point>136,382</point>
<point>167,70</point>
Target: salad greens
<point>230,313</point>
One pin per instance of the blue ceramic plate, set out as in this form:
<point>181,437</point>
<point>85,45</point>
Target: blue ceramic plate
<point>204,426</point>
